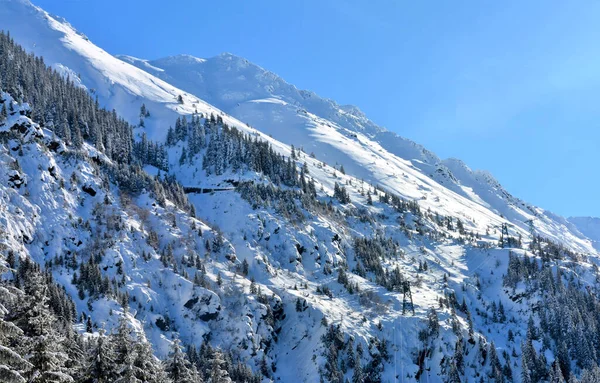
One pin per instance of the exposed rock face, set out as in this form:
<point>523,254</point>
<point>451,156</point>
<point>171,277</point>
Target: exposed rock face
<point>88,189</point>
<point>206,305</point>
<point>15,179</point>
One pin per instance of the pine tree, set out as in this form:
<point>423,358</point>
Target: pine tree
<point>148,367</point>
<point>122,344</point>
<point>563,359</point>
<point>495,365</point>
<point>47,354</point>
<point>178,367</point>
<point>3,114</point>
<point>454,375</point>
<point>171,140</point>
<point>218,372</point>
<point>245,267</point>
<point>13,367</point>
<point>101,361</point>
<point>128,371</point>
<point>299,307</point>
<point>459,356</point>
<point>525,370</point>
<point>507,371</point>
<point>556,375</point>
<point>183,156</point>
<point>341,194</point>
<point>358,375</point>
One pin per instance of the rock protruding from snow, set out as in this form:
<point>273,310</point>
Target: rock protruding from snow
<point>205,304</point>
<point>15,179</point>
<point>15,118</point>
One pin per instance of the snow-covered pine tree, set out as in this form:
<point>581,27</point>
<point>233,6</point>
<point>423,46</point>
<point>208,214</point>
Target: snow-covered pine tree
<point>178,367</point>
<point>100,366</point>
<point>13,366</point>
<point>48,355</point>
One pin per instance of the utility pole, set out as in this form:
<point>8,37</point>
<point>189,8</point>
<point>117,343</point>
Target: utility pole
<point>504,236</point>
<point>407,300</point>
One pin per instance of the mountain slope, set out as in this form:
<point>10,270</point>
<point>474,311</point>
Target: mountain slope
<point>423,271</point>
<point>342,135</point>
<point>122,244</point>
<point>116,84</point>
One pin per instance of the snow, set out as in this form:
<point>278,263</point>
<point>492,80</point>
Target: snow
<point>270,100</point>
<point>137,62</point>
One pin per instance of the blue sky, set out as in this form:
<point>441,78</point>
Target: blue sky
<point>510,87</point>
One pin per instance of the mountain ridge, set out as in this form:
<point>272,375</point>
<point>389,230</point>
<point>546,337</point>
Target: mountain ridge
<point>348,108</point>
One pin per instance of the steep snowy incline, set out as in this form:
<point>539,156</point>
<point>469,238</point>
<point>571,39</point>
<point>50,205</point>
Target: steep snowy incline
<point>117,85</point>
<point>125,88</point>
<point>339,135</point>
<point>228,80</point>
<point>266,101</point>
<point>343,135</point>
<point>62,208</point>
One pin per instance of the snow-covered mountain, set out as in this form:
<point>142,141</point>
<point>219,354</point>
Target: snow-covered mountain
<point>116,84</point>
<point>341,135</point>
<point>293,258</point>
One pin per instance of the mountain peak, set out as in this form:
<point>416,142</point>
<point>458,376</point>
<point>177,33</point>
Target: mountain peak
<point>229,55</point>
<point>353,110</point>
<point>180,59</point>
<point>187,59</point>
<point>234,61</point>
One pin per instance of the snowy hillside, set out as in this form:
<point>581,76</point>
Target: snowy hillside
<point>342,135</point>
<point>353,255</point>
<point>118,249</point>
<point>116,84</point>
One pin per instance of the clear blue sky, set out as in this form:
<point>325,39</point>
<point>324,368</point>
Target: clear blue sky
<point>507,86</point>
